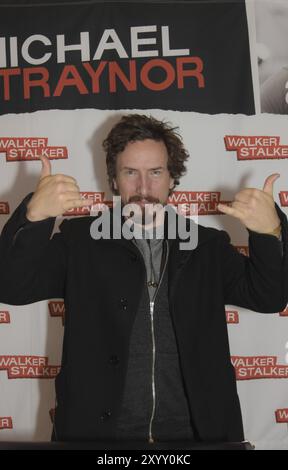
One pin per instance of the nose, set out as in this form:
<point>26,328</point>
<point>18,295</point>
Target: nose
<point>143,185</point>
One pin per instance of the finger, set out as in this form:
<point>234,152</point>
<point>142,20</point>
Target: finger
<point>229,210</point>
<point>248,192</point>
<point>46,167</point>
<point>76,203</point>
<point>269,182</point>
<point>239,206</point>
<point>65,187</point>
<point>59,177</point>
<point>70,196</point>
<point>243,197</point>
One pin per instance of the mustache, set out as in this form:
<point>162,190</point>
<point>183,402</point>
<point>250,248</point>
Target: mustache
<point>147,199</point>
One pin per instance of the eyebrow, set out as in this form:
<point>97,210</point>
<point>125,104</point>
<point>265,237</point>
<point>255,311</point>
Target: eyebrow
<point>149,169</point>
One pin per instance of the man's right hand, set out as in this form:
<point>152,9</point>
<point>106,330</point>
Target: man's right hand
<point>54,195</point>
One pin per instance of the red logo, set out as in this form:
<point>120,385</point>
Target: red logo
<point>97,197</point>
<point>57,309</point>
<point>232,316</point>
<point>258,367</point>
<point>28,367</point>
<point>4,316</point>
<point>281,415</point>
<point>30,148</point>
<point>196,202</point>
<point>6,423</point>
<point>256,147</point>
<point>283,196</point>
<point>4,207</point>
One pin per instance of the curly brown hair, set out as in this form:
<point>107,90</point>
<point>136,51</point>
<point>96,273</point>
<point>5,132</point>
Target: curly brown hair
<point>134,127</point>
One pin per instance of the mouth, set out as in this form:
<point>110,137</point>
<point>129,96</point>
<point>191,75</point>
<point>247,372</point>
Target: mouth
<point>143,201</point>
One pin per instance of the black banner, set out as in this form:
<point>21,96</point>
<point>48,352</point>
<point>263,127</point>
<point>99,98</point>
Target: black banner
<point>184,56</point>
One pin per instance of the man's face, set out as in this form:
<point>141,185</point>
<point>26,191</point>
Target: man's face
<point>142,176</point>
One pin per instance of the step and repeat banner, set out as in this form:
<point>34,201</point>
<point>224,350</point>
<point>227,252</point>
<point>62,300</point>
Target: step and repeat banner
<point>218,71</point>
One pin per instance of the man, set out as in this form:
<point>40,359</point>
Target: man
<point>142,317</point>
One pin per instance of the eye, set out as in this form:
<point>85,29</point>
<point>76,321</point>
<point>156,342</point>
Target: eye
<point>130,172</point>
<point>156,172</point>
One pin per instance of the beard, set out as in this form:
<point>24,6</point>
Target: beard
<point>145,209</point>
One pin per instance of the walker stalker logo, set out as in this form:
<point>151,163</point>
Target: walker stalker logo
<point>196,202</point>
<point>129,57</point>
<point>30,148</point>
<point>97,197</point>
<point>283,196</point>
<point>256,147</point>
<point>232,316</point>
<point>4,316</point>
<point>28,367</point>
<point>284,312</point>
<point>243,250</point>
<point>4,208</point>
<point>57,309</point>
<point>6,423</point>
<point>281,415</point>
<point>258,367</point>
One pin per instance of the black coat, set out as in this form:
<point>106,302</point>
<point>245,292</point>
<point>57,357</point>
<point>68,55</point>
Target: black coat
<point>101,283</point>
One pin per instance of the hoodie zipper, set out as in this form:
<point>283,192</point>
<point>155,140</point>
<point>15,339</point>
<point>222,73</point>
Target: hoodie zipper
<point>151,440</point>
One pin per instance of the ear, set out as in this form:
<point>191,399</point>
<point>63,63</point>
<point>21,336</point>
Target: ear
<point>171,184</point>
<point>115,187</point>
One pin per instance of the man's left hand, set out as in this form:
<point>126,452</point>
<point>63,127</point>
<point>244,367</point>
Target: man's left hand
<point>255,208</point>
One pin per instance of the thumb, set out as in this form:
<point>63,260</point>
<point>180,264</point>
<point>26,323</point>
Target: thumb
<point>268,185</point>
<point>46,167</point>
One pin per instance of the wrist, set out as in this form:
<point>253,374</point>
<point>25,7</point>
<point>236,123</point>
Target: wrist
<point>32,217</point>
<point>276,232</point>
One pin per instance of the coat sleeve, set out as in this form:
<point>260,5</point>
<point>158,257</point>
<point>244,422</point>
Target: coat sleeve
<point>32,266</point>
<point>258,282</point>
